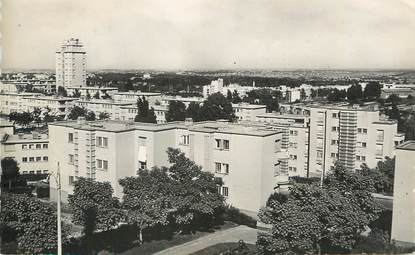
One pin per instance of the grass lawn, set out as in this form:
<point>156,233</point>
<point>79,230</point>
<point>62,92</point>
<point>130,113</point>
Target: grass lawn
<point>159,245</point>
<point>225,247</point>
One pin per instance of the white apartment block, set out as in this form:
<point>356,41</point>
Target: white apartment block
<point>13,102</point>
<point>350,135</point>
<point>30,151</point>
<point>245,157</point>
<point>214,87</point>
<point>295,140</point>
<point>59,106</point>
<point>153,98</point>
<point>112,107</point>
<point>248,112</point>
<point>403,223</point>
<point>71,64</point>
<point>84,91</point>
<point>165,100</point>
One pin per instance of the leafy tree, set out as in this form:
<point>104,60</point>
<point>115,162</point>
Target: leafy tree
<point>88,96</point>
<point>145,114</point>
<point>229,95</point>
<point>372,90</point>
<point>265,97</point>
<point>103,116</point>
<point>36,115</point>
<point>96,96</point>
<point>176,111</point>
<point>94,206</point>
<point>194,192</point>
<point>21,118</point>
<point>311,219</point>
<point>354,93</point>
<point>34,223</point>
<point>76,93</point>
<point>235,97</point>
<point>409,128</point>
<point>303,95</point>
<point>47,117</point>
<point>216,107</point>
<point>193,111</point>
<point>382,175</point>
<point>336,95</point>
<point>62,91</point>
<point>77,111</point>
<point>147,199</point>
<point>10,171</point>
<point>393,99</point>
<point>90,116</point>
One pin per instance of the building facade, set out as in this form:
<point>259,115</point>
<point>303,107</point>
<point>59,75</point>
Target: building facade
<point>248,112</point>
<point>71,64</point>
<point>403,223</point>
<point>110,150</point>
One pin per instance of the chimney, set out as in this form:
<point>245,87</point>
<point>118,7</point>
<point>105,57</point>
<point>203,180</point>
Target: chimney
<point>188,121</point>
<point>81,120</point>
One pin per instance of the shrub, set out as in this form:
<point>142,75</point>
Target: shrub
<point>233,214</point>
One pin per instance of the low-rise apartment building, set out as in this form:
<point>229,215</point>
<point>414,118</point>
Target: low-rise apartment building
<point>403,223</point>
<point>58,106</point>
<point>91,91</point>
<point>248,112</point>
<point>112,107</point>
<point>245,157</point>
<point>13,102</point>
<point>31,151</point>
<point>153,98</point>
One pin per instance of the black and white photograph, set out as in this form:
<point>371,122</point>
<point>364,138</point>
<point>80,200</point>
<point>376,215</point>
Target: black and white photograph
<point>207,127</point>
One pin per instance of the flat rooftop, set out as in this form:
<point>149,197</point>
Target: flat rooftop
<point>25,138</point>
<point>139,93</point>
<point>282,116</point>
<point>52,98</point>
<point>408,145</point>
<point>93,88</point>
<point>249,106</point>
<point>105,101</point>
<point>205,126</point>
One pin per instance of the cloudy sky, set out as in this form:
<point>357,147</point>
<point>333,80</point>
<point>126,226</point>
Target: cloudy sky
<point>212,33</point>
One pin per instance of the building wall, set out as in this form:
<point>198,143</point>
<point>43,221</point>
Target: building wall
<point>71,64</point>
<point>403,223</point>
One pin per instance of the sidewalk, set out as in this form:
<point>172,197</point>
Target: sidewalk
<point>249,235</point>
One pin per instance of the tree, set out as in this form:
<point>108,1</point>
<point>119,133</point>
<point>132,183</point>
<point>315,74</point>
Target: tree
<point>303,95</point>
<point>393,99</point>
<point>216,107</point>
<point>88,96</point>
<point>36,115</point>
<point>195,200</point>
<point>94,206</point>
<point>21,118</point>
<point>33,222</point>
<point>103,116</point>
<point>145,114</point>
<point>146,199</point>
<point>10,171</point>
<point>229,95</point>
<point>354,93</point>
<point>47,117</point>
<point>311,219</point>
<point>409,128</point>
<point>176,111</point>
<point>193,111</point>
<point>96,96</point>
<point>62,91</point>
<point>265,97</point>
<point>77,111</point>
<point>76,93</point>
<point>90,116</point>
<point>382,175</point>
<point>336,95</point>
<point>235,97</point>
<point>372,90</point>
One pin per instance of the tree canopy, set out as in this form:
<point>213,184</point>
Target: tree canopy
<point>10,171</point>
<point>311,219</point>
<point>372,90</point>
<point>176,111</point>
<point>145,114</point>
<point>216,107</point>
<point>354,93</point>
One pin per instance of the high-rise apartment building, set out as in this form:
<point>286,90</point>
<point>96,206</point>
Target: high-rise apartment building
<point>71,64</point>
<point>245,157</point>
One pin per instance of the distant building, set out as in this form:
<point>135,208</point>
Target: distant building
<point>214,87</point>
<point>248,112</point>
<point>71,64</point>
<point>111,150</point>
<point>91,91</point>
<point>13,101</point>
<point>132,96</point>
<point>403,217</point>
<point>30,151</point>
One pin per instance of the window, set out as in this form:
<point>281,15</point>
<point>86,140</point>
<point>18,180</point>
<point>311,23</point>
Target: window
<point>333,155</point>
<point>379,135</point>
<point>38,158</point>
<point>71,180</point>
<point>277,145</point>
<point>364,131</point>
<point>379,150</point>
<point>334,142</point>
<point>319,154</point>
<point>185,140</point>
<point>293,132</point>
<point>24,147</point>
<point>225,191</point>
<point>39,171</point>
<point>334,115</point>
<point>293,157</point>
<point>364,145</point>
<point>218,143</point>
<point>292,169</point>
<point>71,159</point>
<point>31,159</point>
<point>32,172</point>
<point>226,168</point>
<point>45,146</point>
<point>45,158</point>
<point>102,142</point>
<point>334,129</point>
<point>142,141</point>
<point>359,130</point>
<point>218,167</point>
<point>226,144</point>
<point>142,165</point>
<point>45,171</point>
<point>24,159</point>
<point>70,137</point>
<point>38,146</point>
<point>358,158</point>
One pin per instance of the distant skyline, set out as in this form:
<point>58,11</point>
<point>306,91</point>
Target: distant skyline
<point>212,34</point>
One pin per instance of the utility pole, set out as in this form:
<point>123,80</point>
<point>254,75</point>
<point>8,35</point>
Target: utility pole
<point>58,182</point>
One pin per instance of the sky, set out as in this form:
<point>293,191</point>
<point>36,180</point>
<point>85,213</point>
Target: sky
<point>212,34</point>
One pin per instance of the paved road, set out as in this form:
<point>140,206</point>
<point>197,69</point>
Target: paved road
<point>235,234</point>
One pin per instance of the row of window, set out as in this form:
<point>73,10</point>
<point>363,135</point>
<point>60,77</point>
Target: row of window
<point>35,146</point>
<point>102,164</point>
<point>36,172</point>
<point>102,142</point>
<point>222,144</point>
<point>34,159</point>
<point>292,169</point>
<point>360,158</point>
<point>293,157</point>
